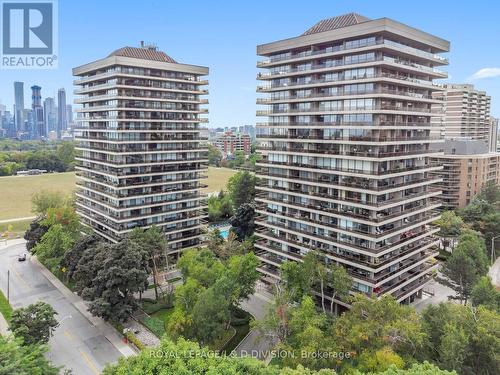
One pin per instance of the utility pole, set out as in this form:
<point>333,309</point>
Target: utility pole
<point>8,286</point>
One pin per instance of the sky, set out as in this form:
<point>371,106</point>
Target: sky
<point>223,35</point>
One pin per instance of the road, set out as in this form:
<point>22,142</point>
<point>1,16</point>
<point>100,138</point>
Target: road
<point>78,343</point>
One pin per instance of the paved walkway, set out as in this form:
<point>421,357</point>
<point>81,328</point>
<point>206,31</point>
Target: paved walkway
<point>17,219</point>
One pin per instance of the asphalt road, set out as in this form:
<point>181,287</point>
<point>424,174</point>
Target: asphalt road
<point>76,344</point>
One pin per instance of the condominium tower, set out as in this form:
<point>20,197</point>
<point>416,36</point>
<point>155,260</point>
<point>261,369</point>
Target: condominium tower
<point>345,149</point>
<point>19,103</point>
<point>467,113</point>
<point>140,161</point>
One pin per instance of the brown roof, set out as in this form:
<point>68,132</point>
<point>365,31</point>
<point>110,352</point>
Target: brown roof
<point>338,22</point>
<point>144,54</point>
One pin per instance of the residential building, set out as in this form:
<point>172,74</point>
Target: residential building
<point>493,134</point>
<point>62,122</point>
<point>39,128</point>
<point>467,167</point>
<point>140,162</point>
<point>19,105</point>
<point>467,113</point>
<point>345,148</point>
<point>230,142</point>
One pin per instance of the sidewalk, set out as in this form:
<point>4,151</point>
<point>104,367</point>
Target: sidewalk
<point>105,328</point>
<point>4,327</point>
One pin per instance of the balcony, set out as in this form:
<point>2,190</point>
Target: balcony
<point>374,109</point>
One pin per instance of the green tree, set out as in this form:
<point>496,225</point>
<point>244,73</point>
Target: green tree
<point>241,187</point>
<point>201,265</point>
<point>425,368</point>
<point>340,283</point>
<point>214,156</point>
<point>484,293</point>
<point>19,359</point>
<point>490,193</point>
<point>462,337</point>
<point>465,266</point>
<point>215,240</point>
<point>453,348</point>
<point>220,207</point>
<point>153,241</point>
<point>54,244</point>
<point>35,233</point>
<point>108,275</point>
<point>75,253</point>
<point>66,153</point>
<point>379,361</point>
<point>242,271</point>
<point>450,224</point>
<point>45,199</point>
<point>34,323</point>
<point>243,221</point>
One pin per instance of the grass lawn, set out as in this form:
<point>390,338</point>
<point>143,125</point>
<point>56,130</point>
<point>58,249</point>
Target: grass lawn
<point>217,178</point>
<point>15,199</point>
<point>5,308</point>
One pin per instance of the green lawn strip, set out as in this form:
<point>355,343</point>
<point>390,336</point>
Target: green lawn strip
<point>222,341</point>
<point>5,307</point>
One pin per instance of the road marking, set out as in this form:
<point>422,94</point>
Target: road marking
<point>69,335</point>
<point>89,362</point>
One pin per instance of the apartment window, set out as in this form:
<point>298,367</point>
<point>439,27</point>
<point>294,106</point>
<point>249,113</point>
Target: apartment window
<point>330,105</point>
<point>359,73</point>
<point>360,58</point>
<point>359,88</point>
<point>355,118</point>
<point>357,104</point>
<point>360,43</point>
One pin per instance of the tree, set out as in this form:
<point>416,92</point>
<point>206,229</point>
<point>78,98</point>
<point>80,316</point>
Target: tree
<point>201,265</point>
<point>45,199</point>
<point>214,156</point>
<point>243,221</point>
<point>108,275</point>
<point>54,243</point>
<point>19,359</point>
<point>34,323</point>
<point>425,368</point>
<point>340,283</point>
<point>75,253</point>
<point>450,224</point>
<point>241,187</point>
<point>215,240</point>
<point>462,337</point>
<point>187,357</point>
<point>379,361</point>
<point>35,232</point>
<point>490,193</point>
<point>465,266</point>
<point>66,153</point>
<point>372,325</point>
<point>454,343</point>
<point>153,241</point>
<point>219,207</point>
<point>243,274</point>
<point>484,293</point>
<point>490,227</point>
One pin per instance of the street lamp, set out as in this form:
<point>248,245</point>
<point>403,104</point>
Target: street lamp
<point>493,247</point>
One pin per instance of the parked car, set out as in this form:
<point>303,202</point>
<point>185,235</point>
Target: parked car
<point>21,257</point>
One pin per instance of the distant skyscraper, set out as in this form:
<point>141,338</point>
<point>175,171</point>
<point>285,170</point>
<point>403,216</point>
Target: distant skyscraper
<point>19,102</point>
<point>62,122</point>
<point>493,134</point>
<point>50,114</point>
<point>69,114</point>
<point>39,129</point>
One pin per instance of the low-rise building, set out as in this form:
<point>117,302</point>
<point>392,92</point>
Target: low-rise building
<point>467,167</point>
<point>230,142</point>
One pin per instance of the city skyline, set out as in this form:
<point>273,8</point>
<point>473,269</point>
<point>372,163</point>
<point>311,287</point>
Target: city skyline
<point>231,56</point>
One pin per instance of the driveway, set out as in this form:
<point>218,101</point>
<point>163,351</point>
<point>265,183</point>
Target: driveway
<point>77,344</point>
<point>254,345</point>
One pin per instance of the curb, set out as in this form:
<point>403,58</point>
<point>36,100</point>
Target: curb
<point>107,330</point>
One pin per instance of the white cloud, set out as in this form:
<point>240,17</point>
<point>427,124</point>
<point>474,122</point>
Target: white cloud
<point>486,73</point>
